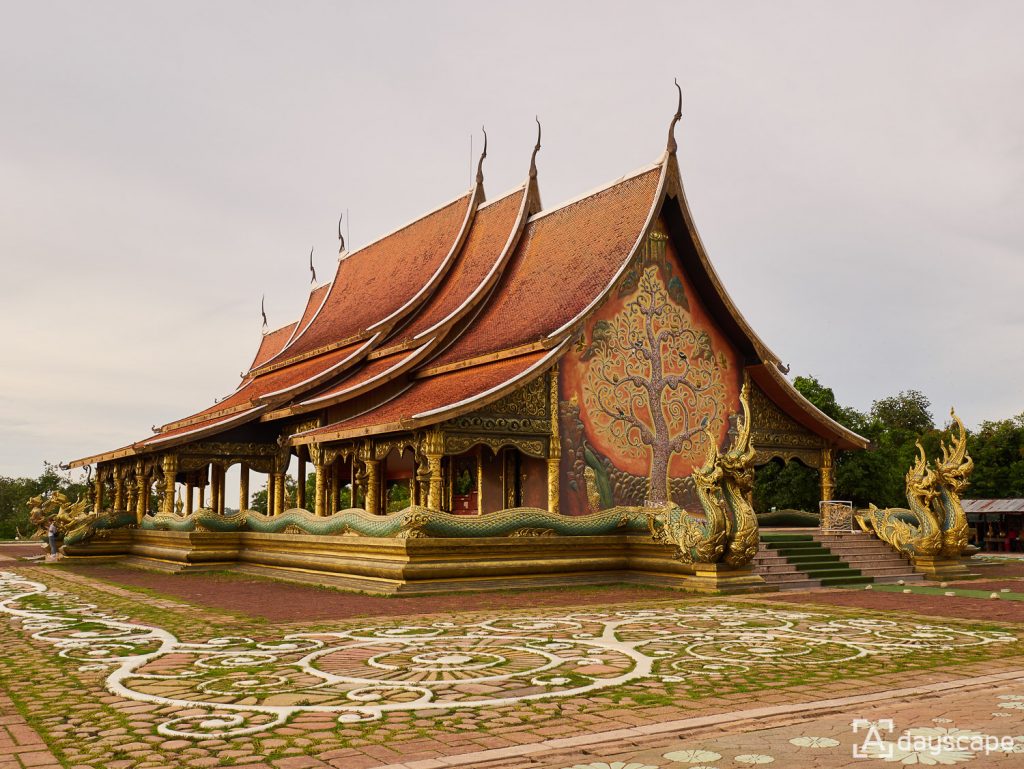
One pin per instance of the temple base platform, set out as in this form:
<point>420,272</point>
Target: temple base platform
<point>420,565</point>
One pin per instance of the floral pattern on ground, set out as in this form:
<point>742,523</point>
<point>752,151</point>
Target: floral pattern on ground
<point>239,685</point>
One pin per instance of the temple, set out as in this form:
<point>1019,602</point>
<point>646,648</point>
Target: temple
<point>494,355</point>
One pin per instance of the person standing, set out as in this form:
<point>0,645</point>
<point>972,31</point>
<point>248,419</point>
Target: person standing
<point>51,536</point>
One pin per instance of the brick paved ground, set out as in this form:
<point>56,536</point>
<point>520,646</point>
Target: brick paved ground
<point>62,664</point>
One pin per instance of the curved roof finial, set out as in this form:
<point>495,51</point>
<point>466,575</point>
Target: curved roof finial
<point>341,238</point>
<point>536,149</point>
<point>312,269</point>
<point>480,165</point>
<point>672,146</point>
<point>263,312</point>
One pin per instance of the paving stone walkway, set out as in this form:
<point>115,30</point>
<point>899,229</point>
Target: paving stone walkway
<point>111,677</point>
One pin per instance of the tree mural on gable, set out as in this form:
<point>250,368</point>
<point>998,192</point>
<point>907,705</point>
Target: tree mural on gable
<point>650,377</point>
<point>652,384</point>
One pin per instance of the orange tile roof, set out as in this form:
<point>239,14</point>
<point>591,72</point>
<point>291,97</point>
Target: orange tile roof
<point>313,306</point>
<point>564,260</point>
<point>271,344</point>
<point>492,227</point>
<point>437,392</point>
<point>381,278</point>
<point>255,388</point>
<point>368,371</point>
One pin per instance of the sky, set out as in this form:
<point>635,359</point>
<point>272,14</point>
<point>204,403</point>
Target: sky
<point>855,170</point>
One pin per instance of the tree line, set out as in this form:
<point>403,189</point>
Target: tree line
<point>893,425</point>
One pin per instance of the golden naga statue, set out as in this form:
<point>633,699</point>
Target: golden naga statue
<point>728,530</point>
<point>935,525</point>
<point>56,508</point>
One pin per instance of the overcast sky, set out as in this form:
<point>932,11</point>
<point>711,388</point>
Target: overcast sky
<point>856,171</point>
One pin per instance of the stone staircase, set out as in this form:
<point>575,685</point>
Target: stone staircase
<point>799,560</point>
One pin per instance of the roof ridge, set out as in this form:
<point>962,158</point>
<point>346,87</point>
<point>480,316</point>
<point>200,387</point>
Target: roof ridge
<point>407,225</point>
<point>596,191</point>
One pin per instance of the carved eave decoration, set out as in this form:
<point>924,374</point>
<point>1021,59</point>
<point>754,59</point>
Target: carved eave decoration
<point>775,435</point>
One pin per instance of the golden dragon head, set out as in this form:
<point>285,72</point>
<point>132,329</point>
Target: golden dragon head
<point>738,460</point>
<point>921,480</point>
<point>710,473</point>
<point>954,469</point>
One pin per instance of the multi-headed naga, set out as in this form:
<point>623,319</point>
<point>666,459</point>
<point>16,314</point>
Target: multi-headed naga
<point>728,531</point>
<point>935,523</point>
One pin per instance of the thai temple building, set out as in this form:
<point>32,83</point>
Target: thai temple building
<point>495,354</point>
<point>474,387</point>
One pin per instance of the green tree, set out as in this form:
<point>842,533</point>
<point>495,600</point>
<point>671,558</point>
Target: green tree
<point>997,448</point>
<point>15,493</point>
<point>893,426</point>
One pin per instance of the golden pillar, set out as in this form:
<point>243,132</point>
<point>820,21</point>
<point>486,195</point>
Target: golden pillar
<point>828,486</point>
<point>119,473</point>
<point>222,477</point>
<point>243,487</point>
<point>479,480</point>
<point>132,492</point>
<point>320,503</point>
<point>278,507</point>
<point>141,493</point>
<point>188,497</point>
<point>300,488</point>
<point>97,506</point>
<point>214,479</point>
<point>170,467</point>
<point>336,486</point>
<point>316,456</point>
<point>372,486</point>
<point>433,449</point>
<point>554,447</point>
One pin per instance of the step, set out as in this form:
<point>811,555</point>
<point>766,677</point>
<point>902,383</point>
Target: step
<point>767,537</point>
<point>784,568</point>
<point>795,584</point>
<point>882,571</point>
<point>836,581</point>
<point>821,557</point>
<point>844,571</point>
<point>786,552</point>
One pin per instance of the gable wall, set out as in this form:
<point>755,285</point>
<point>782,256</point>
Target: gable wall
<point>608,458</point>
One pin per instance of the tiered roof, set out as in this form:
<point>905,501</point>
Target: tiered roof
<point>465,304</point>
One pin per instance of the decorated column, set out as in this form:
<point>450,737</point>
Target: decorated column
<point>372,478</point>
<point>214,485</point>
<point>170,467</point>
<point>243,487</point>
<point>277,506</point>
<point>221,477</point>
<point>554,447</point>
<point>97,493</point>
<point>316,456</point>
<point>335,499</point>
<point>433,449</point>
<point>202,480</point>
<point>119,473</point>
<point>141,492</point>
<point>300,489</point>
<point>828,488</point>
<point>188,497</point>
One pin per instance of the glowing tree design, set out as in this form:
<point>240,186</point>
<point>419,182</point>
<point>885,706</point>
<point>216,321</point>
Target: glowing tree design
<point>653,384</point>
